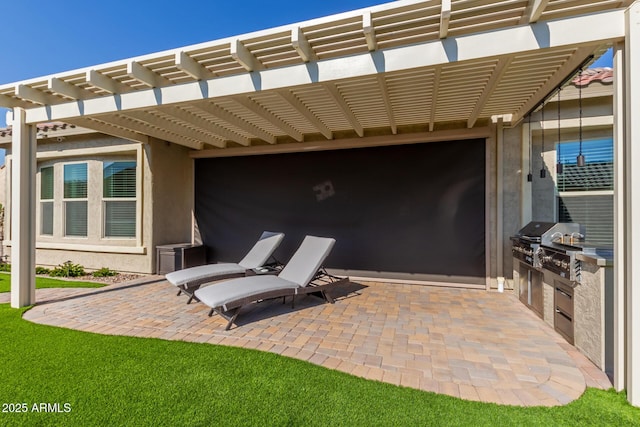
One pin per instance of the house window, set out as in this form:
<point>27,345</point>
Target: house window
<point>75,199</point>
<point>119,199</point>
<point>95,199</point>
<point>585,194</point>
<point>46,201</point>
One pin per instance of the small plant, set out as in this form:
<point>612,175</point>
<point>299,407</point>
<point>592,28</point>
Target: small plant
<point>42,270</point>
<point>104,272</point>
<point>68,269</point>
<point>5,267</point>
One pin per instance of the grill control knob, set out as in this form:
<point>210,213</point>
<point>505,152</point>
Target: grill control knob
<point>547,258</point>
<point>564,264</point>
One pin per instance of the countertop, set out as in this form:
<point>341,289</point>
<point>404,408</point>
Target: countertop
<point>599,257</point>
<point>588,252</point>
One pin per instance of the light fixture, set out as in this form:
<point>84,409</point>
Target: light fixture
<point>559,163</point>
<point>580,160</point>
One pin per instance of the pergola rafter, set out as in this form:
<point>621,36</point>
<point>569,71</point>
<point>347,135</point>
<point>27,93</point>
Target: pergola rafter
<point>236,121</point>
<point>110,129</point>
<point>297,105</point>
<point>276,121</point>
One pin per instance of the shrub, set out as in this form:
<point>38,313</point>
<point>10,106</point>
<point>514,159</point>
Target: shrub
<point>42,270</point>
<point>5,266</point>
<point>68,269</point>
<point>104,272</point>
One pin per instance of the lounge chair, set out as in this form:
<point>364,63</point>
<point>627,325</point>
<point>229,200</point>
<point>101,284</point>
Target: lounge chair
<point>190,279</point>
<point>302,275</point>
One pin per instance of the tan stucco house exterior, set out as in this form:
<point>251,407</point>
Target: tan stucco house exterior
<point>122,236</point>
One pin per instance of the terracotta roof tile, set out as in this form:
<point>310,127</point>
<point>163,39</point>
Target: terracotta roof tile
<point>42,127</point>
<point>600,74</point>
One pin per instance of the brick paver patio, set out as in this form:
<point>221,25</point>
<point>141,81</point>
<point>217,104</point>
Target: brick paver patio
<point>472,344</point>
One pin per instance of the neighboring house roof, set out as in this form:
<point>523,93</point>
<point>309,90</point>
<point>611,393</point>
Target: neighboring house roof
<point>42,127</point>
<point>599,74</point>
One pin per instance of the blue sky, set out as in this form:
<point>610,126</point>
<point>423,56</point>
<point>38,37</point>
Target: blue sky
<point>42,37</point>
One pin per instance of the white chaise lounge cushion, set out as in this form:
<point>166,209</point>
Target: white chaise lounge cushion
<point>235,289</point>
<point>298,272</point>
<point>192,274</point>
<point>262,250</point>
<point>304,264</point>
<point>256,257</point>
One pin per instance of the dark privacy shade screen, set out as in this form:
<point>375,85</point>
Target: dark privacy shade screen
<point>417,208</point>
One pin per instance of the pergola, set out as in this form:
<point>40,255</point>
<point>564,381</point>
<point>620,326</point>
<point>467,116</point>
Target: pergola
<point>405,71</point>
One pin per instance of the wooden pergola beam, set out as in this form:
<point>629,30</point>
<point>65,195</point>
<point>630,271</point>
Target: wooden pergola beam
<point>95,78</point>
<point>141,73</point>
<point>445,17</point>
<point>369,31</point>
<point>244,57</point>
<point>301,45</point>
<point>190,66</point>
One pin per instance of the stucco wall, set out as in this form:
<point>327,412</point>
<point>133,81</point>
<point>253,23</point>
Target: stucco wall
<point>589,313</point>
<point>512,159</point>
<point>172,190</point>
<point>134,255</point>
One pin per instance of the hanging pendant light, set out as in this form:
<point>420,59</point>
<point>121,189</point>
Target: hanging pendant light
<point>580,160</point>
<point>530,175</point>
<point>559,163</point>
<point>543,171</point>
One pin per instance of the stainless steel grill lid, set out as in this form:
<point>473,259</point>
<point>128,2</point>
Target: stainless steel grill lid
<point>534,230</point>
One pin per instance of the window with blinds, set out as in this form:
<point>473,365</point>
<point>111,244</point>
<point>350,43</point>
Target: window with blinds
<point>75,199</point>
<point>585,194</point>
<point>119,194</point>
<point>46,201</point>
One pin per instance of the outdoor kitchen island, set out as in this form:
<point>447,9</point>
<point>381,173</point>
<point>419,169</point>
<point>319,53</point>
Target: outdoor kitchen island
<point>590,326</point>
<point>577,292</point>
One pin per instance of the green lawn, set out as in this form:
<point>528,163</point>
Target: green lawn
<point>45,282</point>
<point>111,380</point>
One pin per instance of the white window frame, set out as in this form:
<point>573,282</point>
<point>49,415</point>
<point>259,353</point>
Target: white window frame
<point>42,201</point>
<point>66,200</point>
<point>94,243</point>
<point>105,200</point>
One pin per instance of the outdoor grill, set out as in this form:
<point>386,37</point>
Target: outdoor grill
<point>527,243</point>
<point>536,247</point>
<point>561,261</point>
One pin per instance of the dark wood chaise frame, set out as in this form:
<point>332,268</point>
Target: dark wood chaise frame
<point>320,286</point>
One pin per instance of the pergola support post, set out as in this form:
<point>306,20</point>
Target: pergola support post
<point>631,75</point>
<point>23,212</point>
<point>500,199</point>
<point>619,220</point>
